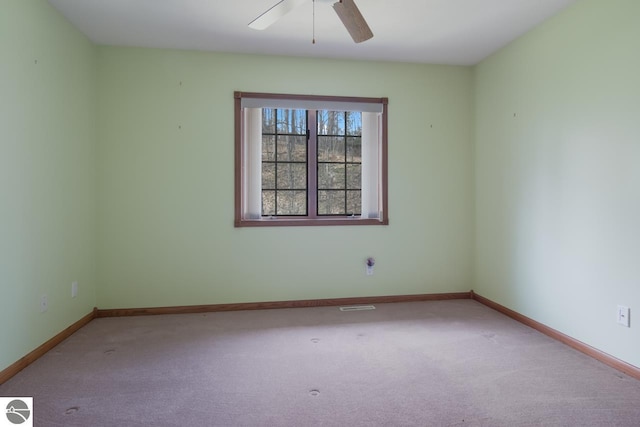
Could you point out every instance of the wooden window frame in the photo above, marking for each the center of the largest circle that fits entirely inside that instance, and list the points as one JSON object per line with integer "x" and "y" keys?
{"x": 312, "y": 219}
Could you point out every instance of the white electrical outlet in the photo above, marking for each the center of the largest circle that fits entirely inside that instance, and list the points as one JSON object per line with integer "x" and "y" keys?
{"x": 623, "y": 316}
{"x": 74, "y": 289}
{"x": 44, "y": 303}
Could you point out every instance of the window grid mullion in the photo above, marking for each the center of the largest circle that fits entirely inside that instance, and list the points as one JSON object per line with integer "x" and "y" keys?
{"x": 312, "y": 164}
{"x": 275, "y": 158}
{"x": 346, "y": 211}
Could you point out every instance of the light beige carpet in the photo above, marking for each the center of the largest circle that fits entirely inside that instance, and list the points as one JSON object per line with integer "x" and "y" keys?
{"x": 445, "y": 363}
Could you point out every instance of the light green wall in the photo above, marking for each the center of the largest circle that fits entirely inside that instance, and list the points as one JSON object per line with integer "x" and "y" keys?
{"x": 47, "y": 175}
{"x": 558, "y": 184}
{"x": 166, "y": 169}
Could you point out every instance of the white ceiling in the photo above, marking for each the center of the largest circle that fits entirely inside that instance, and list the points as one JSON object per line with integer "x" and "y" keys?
{"x": 461, "y": 32}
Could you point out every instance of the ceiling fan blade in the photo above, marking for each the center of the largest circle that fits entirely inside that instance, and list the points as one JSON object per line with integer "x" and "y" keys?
{"x": 353, "y": 21}
{"x": 276, "y": 12}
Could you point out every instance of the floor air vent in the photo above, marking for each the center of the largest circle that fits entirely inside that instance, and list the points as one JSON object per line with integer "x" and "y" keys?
{"x": 358, "y": 308}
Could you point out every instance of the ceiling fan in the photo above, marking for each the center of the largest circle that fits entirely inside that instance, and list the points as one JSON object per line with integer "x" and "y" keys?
{"x": 347, "y": 11}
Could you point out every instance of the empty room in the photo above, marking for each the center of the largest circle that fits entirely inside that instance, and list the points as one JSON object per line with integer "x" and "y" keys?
{"x": 319, "y": 212}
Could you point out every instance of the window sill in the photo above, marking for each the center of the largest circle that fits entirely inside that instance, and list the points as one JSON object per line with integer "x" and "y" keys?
{"x": 308, "y": 222}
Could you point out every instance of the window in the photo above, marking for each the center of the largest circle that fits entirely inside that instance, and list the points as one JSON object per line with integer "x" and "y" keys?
{"x": 310, "y": 160}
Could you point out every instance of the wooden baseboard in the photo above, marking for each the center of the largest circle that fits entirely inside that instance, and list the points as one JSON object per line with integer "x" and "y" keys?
{"x": 599, "y": 355}
{"x": 18, "y": 366}
{"x": 119, "y": 312}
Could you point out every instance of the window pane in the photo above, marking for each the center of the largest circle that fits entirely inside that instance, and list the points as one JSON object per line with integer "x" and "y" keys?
{"x": 354, "y": 123}
{"x": 330, "y": 149}
{"x": 331, "y": 202}
{"x": 268, "y": 147}
{"x": 292, "y": 121}
{"x": 354, "y": 177}
{"x": 268, "y": 203}
{"x": 292, "y": 176}
{"x": 331, "y": 176}
{"x": 269, "y": 120}
{"x": 268, "y": 176}
{"x": 354, "y": 203}
{"x": 292, "y": 202}
{"x": 331, "y": 122}
{"x": 354, "y": 149}
{"x": 292, "y": 148}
